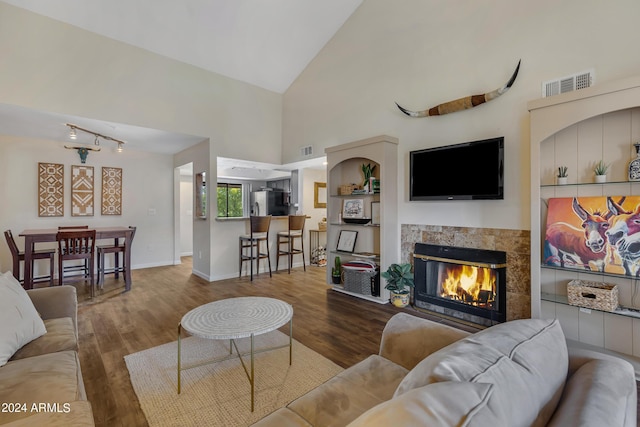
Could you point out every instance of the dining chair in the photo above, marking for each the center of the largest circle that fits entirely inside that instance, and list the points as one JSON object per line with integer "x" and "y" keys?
{"x": 258, "y": 234}
{"x": 295, "y": 231}
{"x": 77, "y": 245}
{"x": 18, "y": 256}
{"x": 84, "y": 267}
{"x": 118, "y": 247}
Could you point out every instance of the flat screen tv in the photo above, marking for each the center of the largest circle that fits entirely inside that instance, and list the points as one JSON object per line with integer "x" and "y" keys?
{"x": 469, "y": 171}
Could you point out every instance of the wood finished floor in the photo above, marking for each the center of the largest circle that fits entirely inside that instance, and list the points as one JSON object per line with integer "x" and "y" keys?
{"x": 340, "y": 327}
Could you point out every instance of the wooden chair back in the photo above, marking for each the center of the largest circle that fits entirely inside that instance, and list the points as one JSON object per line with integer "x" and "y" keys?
{"x": 76, "y": 244}
{"x": 15, "y": 252}
{"x": 260, "y": 224}
{"x": 296, "y": 222}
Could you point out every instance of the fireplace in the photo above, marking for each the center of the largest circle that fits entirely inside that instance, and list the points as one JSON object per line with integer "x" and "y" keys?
{"x": 468, "y": 284}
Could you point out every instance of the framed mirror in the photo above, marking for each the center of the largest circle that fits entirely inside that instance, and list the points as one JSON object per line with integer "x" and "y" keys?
{"x": 201, "y": 195}
{"x": 319, "y": 194}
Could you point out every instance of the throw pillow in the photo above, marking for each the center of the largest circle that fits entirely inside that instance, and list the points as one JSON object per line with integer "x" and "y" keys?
{"x": 441, "y": 404}
{"x": 525, "y": 359}
{"x": 20, "y": 323}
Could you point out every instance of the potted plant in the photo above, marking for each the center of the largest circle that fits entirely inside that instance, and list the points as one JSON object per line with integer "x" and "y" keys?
{"x": 367, "y": 170}
{"x": 601, "y": 171}
{"x": 562, "y": 175}
{"x": 399, "y": 281}
{"x": 336, "y": 271}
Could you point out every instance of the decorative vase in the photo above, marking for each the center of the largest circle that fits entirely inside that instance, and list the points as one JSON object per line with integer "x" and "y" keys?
{"x": 399, "y": 299}
{"x": 563, "y": 180}
{"x": 634, "y": 165}
{"x": 601, "y": 178}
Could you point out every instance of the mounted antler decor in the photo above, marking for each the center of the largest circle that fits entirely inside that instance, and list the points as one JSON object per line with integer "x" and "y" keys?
{"x": 462, "y": 103}
{"x": 83, "y": 150}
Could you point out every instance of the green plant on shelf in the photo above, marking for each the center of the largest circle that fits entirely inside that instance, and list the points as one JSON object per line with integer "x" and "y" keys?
{"x": 601, "y": 168}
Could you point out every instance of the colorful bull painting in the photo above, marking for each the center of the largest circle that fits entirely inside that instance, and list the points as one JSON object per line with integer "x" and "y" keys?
{"x": 594, "y": 233}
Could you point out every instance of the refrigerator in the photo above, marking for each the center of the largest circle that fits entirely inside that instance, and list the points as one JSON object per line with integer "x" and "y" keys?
{"x": 276, "y": 202}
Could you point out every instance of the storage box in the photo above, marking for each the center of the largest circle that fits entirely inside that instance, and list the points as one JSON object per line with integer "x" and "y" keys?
{"x": 595, "y": 295}
{"x": 347, "y": 189}
{"x": 365, "y": 282}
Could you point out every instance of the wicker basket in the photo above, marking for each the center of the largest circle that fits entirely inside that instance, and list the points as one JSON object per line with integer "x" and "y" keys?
{"x": 361, "y": 282}
{"x": 595, "y": 295}
{"x": 345, "y": 190}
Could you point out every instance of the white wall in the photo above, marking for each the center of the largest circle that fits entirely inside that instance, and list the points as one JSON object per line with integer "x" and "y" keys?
{"x": 422, "y": 53}
{"x": 55, "y": 67}
{"x": 146, "y": 184}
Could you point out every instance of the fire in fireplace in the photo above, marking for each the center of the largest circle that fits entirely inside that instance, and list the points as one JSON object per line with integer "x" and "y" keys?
{"x": 469, "y": 284}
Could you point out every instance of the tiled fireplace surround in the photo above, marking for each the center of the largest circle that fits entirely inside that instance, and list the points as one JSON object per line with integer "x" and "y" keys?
{"x": 516, "y": 243}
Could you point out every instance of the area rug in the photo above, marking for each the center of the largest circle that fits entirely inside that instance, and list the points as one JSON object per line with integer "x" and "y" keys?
{"x": 219, "y": 394}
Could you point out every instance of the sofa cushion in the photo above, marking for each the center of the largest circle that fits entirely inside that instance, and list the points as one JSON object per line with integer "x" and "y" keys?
{"x": 347, "y": 395}
{"x": 20, "y": 323}
{"x": 60, "y": 336}
{"x": 49, "y": 378}
{"x": 450, "y": 403}
{"x": 598, "y": 394}
{"x": 525, "y": 359}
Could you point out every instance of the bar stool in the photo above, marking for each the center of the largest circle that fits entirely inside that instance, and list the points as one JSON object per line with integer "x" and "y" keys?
{"x": 74, "y": 245}
{"x": 296, "y": 231}
{"x": 18, "y": 256}
{"x": 259, "y": 232}
{"x": 115, "y": 249}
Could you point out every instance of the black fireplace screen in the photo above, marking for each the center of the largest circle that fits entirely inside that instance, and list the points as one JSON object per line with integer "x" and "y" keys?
{"x": 462, "y": 280}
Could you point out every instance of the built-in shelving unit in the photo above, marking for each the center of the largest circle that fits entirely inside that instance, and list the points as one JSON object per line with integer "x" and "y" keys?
{"x": 576, "y": 130}
{"x": 383, "y": 239}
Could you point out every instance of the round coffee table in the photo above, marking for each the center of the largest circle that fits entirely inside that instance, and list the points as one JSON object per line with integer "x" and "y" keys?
{"x": 233, "y": 318}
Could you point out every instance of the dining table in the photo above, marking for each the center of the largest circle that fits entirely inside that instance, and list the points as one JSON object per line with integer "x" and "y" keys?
{"x": 42, "y": 235}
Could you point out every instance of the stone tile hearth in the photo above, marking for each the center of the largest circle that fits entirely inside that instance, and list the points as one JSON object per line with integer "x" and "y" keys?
{"x": 515, "y": 243}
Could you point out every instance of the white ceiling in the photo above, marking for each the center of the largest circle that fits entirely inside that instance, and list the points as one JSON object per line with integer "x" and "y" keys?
{"x": 264, "y": 43}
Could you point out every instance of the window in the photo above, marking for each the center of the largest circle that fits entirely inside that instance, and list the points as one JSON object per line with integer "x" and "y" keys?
{"x": 229, "y": 200}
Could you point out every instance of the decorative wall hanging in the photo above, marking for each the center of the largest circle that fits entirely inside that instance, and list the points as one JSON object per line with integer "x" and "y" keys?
{"x": 50, "y": 189}
{"x": 83, "y": 151}
{"x": 81, "y": 190}
{"x": 111, "y": 191}
{"x": 594, "y": 233}
{"x": 462, "y": 103}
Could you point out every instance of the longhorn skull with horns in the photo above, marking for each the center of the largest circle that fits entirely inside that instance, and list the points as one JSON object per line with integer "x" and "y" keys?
{"x": 462, "y": 103}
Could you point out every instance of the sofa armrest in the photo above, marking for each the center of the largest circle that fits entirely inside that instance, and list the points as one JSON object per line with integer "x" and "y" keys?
{"x": 406, "y": 339}
{"x": 56, "y": 302}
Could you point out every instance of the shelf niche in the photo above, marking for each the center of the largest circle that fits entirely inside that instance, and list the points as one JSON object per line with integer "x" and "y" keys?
{"x": 577, "y": 129}
{"x": 344, "y": 166}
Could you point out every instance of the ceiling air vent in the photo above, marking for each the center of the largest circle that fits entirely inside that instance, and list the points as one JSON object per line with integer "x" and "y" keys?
{"x": 306, "y": 151}
{"x": 568, "y": 84}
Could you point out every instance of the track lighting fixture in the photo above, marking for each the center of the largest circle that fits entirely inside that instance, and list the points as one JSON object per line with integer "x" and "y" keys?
{"x": 73, "y": 135}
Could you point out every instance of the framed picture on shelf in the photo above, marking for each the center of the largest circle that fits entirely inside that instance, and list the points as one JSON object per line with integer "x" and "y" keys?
{"x": 375, "y": 213}
{"x": 353, "y": 208}
{"x": 347, "y": 240}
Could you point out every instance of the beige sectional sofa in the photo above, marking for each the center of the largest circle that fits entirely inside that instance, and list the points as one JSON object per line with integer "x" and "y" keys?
{"x": 518, "y": 373}
{"x": 41, "y": 383}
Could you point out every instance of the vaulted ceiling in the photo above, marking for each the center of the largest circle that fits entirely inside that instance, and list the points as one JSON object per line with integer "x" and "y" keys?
{"x": 267, "y": 43}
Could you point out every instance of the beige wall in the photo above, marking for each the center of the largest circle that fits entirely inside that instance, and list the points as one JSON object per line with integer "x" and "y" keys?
{"x": 55, "y": 67}
{"x": 422, "y": 53}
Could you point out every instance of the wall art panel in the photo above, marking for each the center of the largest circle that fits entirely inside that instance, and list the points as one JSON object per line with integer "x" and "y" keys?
{"x": 81, "y": 190}
{"x": 50, "y": 189}
{"x": 111, "y": 191}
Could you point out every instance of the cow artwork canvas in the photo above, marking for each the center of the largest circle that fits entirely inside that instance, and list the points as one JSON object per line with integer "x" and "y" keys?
{"x": 594, "y": 233}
